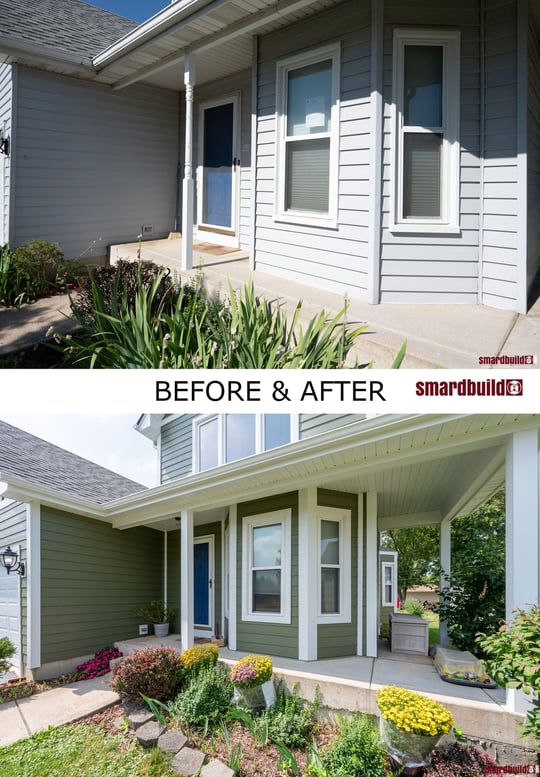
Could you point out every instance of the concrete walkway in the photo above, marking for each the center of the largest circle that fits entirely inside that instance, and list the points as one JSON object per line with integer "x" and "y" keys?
{"x": 24, "y": 717}
{"x": 447, "y": 336}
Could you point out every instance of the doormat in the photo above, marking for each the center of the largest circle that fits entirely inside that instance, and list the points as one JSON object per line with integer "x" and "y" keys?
{"x": 211, "y": 248}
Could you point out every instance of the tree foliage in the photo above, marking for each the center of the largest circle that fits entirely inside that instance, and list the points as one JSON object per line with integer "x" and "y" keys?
{"x": 474, "y": 602}
{"x": 418, "y": 551}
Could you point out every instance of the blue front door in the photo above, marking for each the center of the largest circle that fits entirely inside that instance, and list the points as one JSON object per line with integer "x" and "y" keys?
{"x": 202, "y": 583}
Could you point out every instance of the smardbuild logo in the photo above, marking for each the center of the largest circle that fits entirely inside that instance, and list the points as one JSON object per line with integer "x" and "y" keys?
{"x": 508, "y": 387}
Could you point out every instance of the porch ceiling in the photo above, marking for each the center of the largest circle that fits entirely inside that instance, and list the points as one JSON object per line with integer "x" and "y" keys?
{"x": 219, "y": 33}
{"x": 424, "y": 468}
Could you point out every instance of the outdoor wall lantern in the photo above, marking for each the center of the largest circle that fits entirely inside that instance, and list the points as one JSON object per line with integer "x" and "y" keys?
{"x": 10, "y": 560}
{"x": 4, "y": 145}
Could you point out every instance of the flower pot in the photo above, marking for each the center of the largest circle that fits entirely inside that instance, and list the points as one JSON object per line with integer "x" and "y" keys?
{"x": 258, "y": 698}
{"x": 412, "y": 751}
{"x": 161, "y": 629}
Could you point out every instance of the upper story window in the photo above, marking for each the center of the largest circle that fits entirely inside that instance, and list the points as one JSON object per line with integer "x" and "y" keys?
{"x": 308, "y": 137}
{"x": 219, "y": 439}
{"x": 426, "y": 96}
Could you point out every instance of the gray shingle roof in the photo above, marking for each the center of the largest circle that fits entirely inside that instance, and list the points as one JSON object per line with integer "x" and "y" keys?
{"x": 39, "y": 462}
{"x": 69, "y": 25}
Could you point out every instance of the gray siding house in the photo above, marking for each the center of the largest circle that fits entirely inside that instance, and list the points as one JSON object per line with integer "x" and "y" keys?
{"x": 264, "y": 528}
{"x": 387, "y": 149}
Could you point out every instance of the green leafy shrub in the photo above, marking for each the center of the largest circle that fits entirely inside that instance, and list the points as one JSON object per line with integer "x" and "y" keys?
{"x": 291, "y": 720}
{"x": 35, "y": 269}
{"x": 513, "y": 660}
{"x": 7, "y": 650}
{"x": 200, "y": 657}
{"x": 156, "y": 672}
{"x": 205, "y": 699}
{"x": 357, "y": 750}
{"x": 412, "y": 607}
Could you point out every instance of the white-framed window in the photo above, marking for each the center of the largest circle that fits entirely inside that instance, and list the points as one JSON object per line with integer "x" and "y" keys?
{"x": 266, "y": 567}
{"x": 334, "y": 543}
{"x": 219, "y": 439}
{"x": 426, "y": 137}
{"x": 307, "y": 147}
{"x": 388, "y": 584}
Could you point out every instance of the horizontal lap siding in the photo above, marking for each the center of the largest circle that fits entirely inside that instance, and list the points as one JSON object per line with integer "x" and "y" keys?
{"x": 239, "y": 85}
{"x": 533, "y": 172}
{"x": 334, "y": 259}
{"x": 93, "y": 578}
{"x": 6, "y": 102}
{"x": 93, "y": 165}
{"x": 500, "y": 186}
{"x": 310, "y": 424}
{"x": 176, "y": 448}
{"x": 13, "y": 532}
{"x": 435, "y": 268}
{"x": 173, "y": 573}
{"x": 273, "y": 638}
{"x": 340, "y": 639}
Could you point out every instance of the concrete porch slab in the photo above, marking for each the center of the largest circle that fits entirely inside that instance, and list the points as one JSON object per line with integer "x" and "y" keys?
{"x": 449, "y": 336}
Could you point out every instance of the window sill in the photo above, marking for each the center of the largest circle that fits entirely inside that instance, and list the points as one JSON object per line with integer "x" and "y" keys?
{"x": 425, "y": 228}
{"x": 266, "y": 618}
{"x": 323, "y": 222}
{"x": 334, "y": 619}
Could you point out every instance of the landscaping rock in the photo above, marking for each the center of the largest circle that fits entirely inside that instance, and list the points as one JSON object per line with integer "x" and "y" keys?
{"x": 172, "y": 741}
{"x": 119, "y": 721}
{"x": 139, "y": 718}
{"x": 187, "y": 762}
{"x": 216, "y": 769}
{"x": 149, "y": 734}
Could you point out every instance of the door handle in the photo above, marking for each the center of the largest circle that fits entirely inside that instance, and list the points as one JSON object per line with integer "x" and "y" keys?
{"x": 234, "y": 163}
{"x": 210, "y": 583}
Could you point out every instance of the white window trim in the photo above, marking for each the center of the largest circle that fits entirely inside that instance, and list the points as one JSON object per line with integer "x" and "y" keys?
{"x": 248, "y": 524}
{"x": 384, "y": 602}
{"x": 313, "y": 218}
{"x": 448, "y": 223}
{"x": 343, "y": 517}
{"x": 221, "y": 443}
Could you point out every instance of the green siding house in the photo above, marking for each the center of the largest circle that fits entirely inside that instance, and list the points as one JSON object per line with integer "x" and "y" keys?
{"x": 264, "y": 529}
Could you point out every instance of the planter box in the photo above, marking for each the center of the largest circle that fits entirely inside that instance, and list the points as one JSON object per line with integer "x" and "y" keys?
{"x": 409, "y": 634}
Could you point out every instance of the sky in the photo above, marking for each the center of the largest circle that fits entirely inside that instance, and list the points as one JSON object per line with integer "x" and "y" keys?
{"x": 109, "y": 440}
{"x": 138, "y": 10}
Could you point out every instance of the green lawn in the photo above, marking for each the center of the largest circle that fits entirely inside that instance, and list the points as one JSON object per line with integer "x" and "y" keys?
{"x": 84, "y": 751}
{"x": 433, "y": 620}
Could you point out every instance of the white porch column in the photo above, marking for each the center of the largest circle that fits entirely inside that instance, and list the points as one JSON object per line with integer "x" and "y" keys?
{"x": 188, "y": 186}
{"x": 186, "y": 578}
{"x": 307, "y": 574}
{"x": 232, "y": 577}
{"x": 522, "y": 532}
{"x": 360, "y": 583}
{"x": 372, "y": 561}
{"x": 33, "y": 585}
{"x": 445, "y": 561}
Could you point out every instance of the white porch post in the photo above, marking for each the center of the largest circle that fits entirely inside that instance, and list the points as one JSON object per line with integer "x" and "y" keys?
{"x": 522, "y": 532}
{"x": 372, "y": 560}
{"x": 360, "y": 583}
{"x": 232, "y": 577}
{"x": 307, "y": 574}
{"x": 188, "y": 184}
{"x": 186, "y": 578}
{"x": 33, "y": 585}
{"x": 445, "y": 561}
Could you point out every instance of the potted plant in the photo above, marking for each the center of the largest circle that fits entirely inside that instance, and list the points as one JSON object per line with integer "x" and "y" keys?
{"x": 253, "y": 684}
{"x": 411, "y": 725}
{"x": 159, "y": 614}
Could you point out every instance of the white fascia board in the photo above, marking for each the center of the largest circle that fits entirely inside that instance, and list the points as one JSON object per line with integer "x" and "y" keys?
{"x": 21, "y": 490}
{"x": 35, "y": 53}
{"x": 159, "y": 23}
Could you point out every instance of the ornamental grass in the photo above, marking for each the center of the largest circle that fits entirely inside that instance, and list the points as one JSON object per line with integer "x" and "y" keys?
{"x": 251, "y": 671}
{"x": 414, "y": 713}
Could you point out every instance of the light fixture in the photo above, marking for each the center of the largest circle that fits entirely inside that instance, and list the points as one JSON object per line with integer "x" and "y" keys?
{"x": 4, "y": 145}
{"x": 10, "y": 560}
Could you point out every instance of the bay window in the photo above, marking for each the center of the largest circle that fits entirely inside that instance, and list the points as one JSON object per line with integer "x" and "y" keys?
{"x": 308, "y": 135}
{"x": 426, "y": 97}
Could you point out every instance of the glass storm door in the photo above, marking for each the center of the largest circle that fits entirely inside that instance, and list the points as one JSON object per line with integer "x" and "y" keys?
{"x": 218, "y": 172}
{"x": 203, "y": 583}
